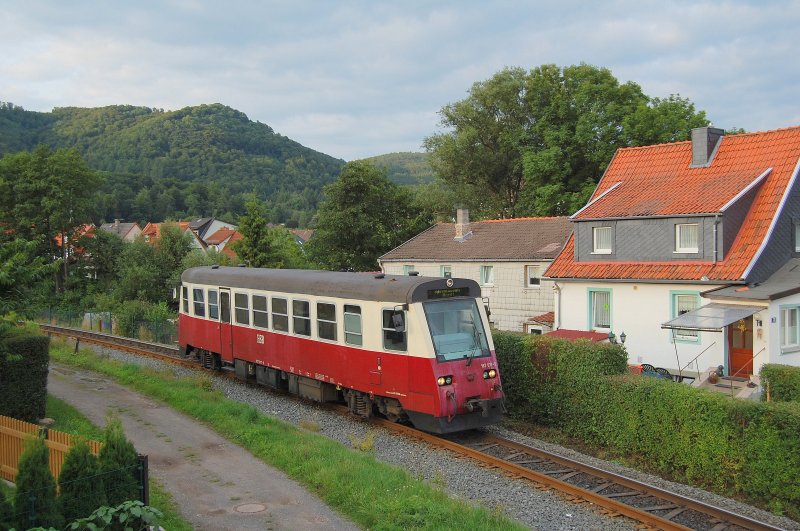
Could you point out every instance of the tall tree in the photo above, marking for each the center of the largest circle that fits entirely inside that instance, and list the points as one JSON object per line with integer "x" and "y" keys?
{"x": 536, "y": 143}
{"x": 265, "y": 246}
{"x": 363, "y": 216}
{"x": 20, "y": 270}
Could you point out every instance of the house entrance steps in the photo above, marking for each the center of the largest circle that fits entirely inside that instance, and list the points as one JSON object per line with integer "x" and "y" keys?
{"x": 732, "y": 386}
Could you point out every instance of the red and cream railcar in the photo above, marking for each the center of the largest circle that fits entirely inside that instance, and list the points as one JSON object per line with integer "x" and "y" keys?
{"x": 408, "y": 347}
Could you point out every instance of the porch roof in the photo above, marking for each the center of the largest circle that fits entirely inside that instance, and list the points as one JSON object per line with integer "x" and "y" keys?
{"x": 711, "y": 317}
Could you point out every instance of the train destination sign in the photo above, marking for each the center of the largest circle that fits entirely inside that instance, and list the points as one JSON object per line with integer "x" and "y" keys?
{"x": 446, "y": 293}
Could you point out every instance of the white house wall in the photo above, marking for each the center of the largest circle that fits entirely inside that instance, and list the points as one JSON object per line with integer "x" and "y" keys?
{"x": 638, "y": 310}
{"x": 772, "y": 326}
{"x": 510, "y": 301}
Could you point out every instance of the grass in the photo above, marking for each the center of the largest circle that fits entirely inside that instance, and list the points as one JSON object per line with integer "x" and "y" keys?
{"x": 70, "y": 420}
{"x": 349, "y": 481}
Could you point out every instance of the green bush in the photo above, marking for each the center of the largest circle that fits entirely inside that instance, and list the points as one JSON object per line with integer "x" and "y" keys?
{"x": 783, "y": 382}
{"x": 119, "y": 465}
{"x": 128, "y": 516}
{"x": 24, "y": 363}
{"x": 80, "y": 483}
{"x": 541, "y": 374}
{"x": 6, "y": 514}
{"x": 35, "y": 497}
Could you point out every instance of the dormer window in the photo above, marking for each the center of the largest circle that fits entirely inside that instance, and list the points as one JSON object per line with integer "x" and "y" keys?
{"x": 601, "y": 238}
{"x": 797, "y": 236}
{"x": 686, "y": 238}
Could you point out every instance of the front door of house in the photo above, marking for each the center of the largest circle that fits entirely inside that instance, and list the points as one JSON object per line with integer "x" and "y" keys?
{"x": 740, "y": 348}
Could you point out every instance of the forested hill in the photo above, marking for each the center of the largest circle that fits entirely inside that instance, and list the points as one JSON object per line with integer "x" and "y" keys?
{"x": 406, "y": 167}
{"x": 197, "y": 161}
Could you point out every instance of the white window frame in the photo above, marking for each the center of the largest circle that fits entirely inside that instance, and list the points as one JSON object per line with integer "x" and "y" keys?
{"x": 691, "y": 336}
{"x": 787, "y": 314}
{"x": 198, "y": 303}
{"x": 446, "y": 271}
{"x": 797, "y": 236}
{"x": 407, "y": 268}
{"x": 487, "y": 275}
{"x": 592, "y": 302}
{"x": 537, "y": 276}
{"x": 298, "y": 318}
{"x": 596, "y": 249}
{"x": 261, "y": 314}
{"x": 241, "y": 310}
{"x": 321, "y": 322}
{"x": 355, "y": 318}
{"x": 678, "y": 230}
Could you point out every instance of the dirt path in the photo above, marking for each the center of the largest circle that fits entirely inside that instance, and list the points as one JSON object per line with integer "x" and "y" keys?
{"x": 216, "y": 484}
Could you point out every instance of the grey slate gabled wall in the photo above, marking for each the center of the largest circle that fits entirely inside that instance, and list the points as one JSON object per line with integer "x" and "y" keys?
{"x": 780, "y": 246}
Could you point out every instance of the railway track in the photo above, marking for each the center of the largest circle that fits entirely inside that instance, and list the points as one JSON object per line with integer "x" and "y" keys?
{"x": 650, "y": 505}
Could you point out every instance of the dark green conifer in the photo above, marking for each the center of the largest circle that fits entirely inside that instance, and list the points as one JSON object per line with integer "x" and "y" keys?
{"x": 80, "y": 483}
{"x": 35, "y": 497}
{"x": 118, "y": 464}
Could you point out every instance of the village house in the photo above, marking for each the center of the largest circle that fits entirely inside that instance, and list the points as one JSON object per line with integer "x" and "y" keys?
{"x": 506, "y": 257}
{"x": 152, "y": 232}
{"x": 690, "y": 249}
{"x": 127, "y": 231}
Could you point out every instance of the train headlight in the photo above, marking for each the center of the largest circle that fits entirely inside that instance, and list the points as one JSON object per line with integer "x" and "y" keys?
{"x": 489, "y": 373}
{"x": 444, "y": 380}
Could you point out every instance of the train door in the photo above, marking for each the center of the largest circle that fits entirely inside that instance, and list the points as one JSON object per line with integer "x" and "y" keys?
{"x": 225, "y": 326}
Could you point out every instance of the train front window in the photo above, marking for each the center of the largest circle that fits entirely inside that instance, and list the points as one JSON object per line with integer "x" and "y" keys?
{"x": 457, "y": 329}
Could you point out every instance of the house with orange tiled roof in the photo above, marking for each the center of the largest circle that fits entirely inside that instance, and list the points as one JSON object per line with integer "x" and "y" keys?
{"x": 506, "y": 257}
{"x": 670, "y": 241}
{"x": 152, "y": 232}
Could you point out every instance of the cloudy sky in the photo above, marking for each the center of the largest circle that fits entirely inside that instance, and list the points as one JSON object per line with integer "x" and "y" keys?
{"x": 360, "y": 78}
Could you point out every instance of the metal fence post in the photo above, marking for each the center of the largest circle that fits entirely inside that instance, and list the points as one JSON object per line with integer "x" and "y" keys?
{"x": 144, "y": 479}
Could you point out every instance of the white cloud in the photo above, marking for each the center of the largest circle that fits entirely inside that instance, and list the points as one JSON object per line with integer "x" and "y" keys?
{"x": 358, "y": 78}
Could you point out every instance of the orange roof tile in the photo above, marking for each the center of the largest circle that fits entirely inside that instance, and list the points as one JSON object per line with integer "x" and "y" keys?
{"x": 220, "y": 236}
{"x": 657, "y": 180}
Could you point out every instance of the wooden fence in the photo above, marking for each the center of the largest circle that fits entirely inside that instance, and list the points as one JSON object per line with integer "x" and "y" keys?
{"x": 13, "y": 434}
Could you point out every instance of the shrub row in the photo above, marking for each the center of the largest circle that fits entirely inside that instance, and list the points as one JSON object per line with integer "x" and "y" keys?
{"x": 782, "y": 381}
{"x": 23, "y": 376}
{"x": 706, "y": 439}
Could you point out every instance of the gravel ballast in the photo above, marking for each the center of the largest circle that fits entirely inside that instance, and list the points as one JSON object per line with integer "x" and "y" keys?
{"x": 518, "y": 499}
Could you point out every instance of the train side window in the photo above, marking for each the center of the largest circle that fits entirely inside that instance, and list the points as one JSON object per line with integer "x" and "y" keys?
{"x": 280, "y": 314}
{"x": 199, "y": 302}
{"x": 213, "y": 304}
{"x": 393, "y": 337}
{"x": 185, "y": 297}
{"x": 301, "y": 318}
{"x": 260, "y": 315}
{"x": 352, "y": 325}
{"x": 242, "y": 306}
{"x": 326, "y": 321}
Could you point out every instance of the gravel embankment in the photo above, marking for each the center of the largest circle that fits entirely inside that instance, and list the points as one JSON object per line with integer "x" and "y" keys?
{"x": 462, "y": 478}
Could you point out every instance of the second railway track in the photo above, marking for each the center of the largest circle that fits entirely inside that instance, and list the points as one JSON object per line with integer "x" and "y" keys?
{"x": 651, "y": 505}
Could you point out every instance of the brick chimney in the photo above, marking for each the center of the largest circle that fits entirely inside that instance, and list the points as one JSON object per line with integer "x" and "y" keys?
{"x": 704, "y": 144}
{"x": 462, "y": 225}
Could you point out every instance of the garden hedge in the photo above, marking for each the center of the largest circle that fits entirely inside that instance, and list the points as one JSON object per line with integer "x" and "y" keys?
{"x": 23, "y": 376}
{"x": 783, "y": 382}
{"x": 706, "y": 439}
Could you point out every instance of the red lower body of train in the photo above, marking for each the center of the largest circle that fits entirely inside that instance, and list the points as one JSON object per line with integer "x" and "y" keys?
{"x": 399, "y": 386}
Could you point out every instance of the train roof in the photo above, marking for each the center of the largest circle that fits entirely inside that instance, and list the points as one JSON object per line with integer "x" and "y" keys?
{"x": 356, "y": 286}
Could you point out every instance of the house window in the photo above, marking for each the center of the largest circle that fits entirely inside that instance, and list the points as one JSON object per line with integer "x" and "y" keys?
{"x": 535, "y": 330}
{"x": 213, "y": 304}
{"x": 797, "y": 236}
{"x": 326, "y": 321}
{"x": 790, "y": 328}
{"x": 185, "y": 297}
{"x": 487, "y": 275}
{"x": 301, "y": 317}
{"x": 352, "y": 325}
{"x": 242, "y": 306}
{"x": 260, "y": 315}
{"x": 280, "y": 314}
{"x": 686, "y": 238}
{"x": 684, "y": 303}
{"x": 407, "y": 269}
{"x": 446, "y": 271}
{"x": 600, "y": 309}
{"x": 392, "y": 338}
{"x": 199, "y": 303}
{"x": 533, "y": 278}
{"x": 601, "y": 240}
